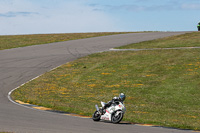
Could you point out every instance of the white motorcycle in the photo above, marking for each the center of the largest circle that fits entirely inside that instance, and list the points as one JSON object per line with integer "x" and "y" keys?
{"x": 114, "y": 113}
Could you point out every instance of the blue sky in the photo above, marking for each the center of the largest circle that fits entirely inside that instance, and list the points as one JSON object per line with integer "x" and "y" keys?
{"x": 70, "y": 16}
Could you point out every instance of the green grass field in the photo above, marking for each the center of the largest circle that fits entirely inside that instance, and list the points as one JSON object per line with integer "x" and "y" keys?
{"x": 162, "y": 86}
{"x": 14, "y": 41}
{"x": 186, "y": 40}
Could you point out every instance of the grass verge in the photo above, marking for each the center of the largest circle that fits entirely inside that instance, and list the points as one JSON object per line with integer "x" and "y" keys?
{"x": 14, "y": 41}
{"x": 186, "y": 40}
{"x": 162, "y": 86}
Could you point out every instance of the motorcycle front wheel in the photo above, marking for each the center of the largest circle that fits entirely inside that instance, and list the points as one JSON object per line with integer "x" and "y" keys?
{"x": 96, "y": 116}
{"x": 117, "y": 117}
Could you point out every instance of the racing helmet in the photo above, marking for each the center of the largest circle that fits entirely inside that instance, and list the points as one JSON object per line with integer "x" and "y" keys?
{"x": 122, "y": 96}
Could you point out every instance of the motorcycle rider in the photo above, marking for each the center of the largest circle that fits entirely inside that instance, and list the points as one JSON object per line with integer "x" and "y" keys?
{"x": 115, "y": 100}
{"x": 198, "y": 26}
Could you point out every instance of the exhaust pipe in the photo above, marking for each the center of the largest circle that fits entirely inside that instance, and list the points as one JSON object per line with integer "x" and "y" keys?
{"x": 96, "y": 106}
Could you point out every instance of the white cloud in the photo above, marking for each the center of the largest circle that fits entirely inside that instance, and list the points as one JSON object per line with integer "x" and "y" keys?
{"x": 190, "y": 6}
{"x": 15, "y": 14}
{"x": 149, "y": 5}
{"x": 16, "y": 6}
{"x": 27, "y": 17}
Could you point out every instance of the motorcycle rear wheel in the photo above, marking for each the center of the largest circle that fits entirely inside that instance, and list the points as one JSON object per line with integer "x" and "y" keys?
{"x": 117, "y": 118}
{"x": 96, "y": 116}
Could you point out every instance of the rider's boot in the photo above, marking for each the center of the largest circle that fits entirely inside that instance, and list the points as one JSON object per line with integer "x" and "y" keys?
{"x": 102, "y": 110}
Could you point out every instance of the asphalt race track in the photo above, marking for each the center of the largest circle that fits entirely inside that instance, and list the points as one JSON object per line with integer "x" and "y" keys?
{"x": 20, "y": 65}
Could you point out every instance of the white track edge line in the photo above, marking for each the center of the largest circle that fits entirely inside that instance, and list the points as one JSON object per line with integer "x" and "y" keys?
{"x": 10, "y": 92}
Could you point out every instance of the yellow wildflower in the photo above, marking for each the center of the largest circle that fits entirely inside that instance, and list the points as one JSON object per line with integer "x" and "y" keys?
{"x": 92, "y": 85}
{"x": 69, "y": 65}
{"x": 111, "y": 86}
{"x": 139, "y": 112}
{"x": 105, "y": 73}
{"x": 190, "y": 70}
{"x": 137, "y": 85}
{"x": 113, "y": 91}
